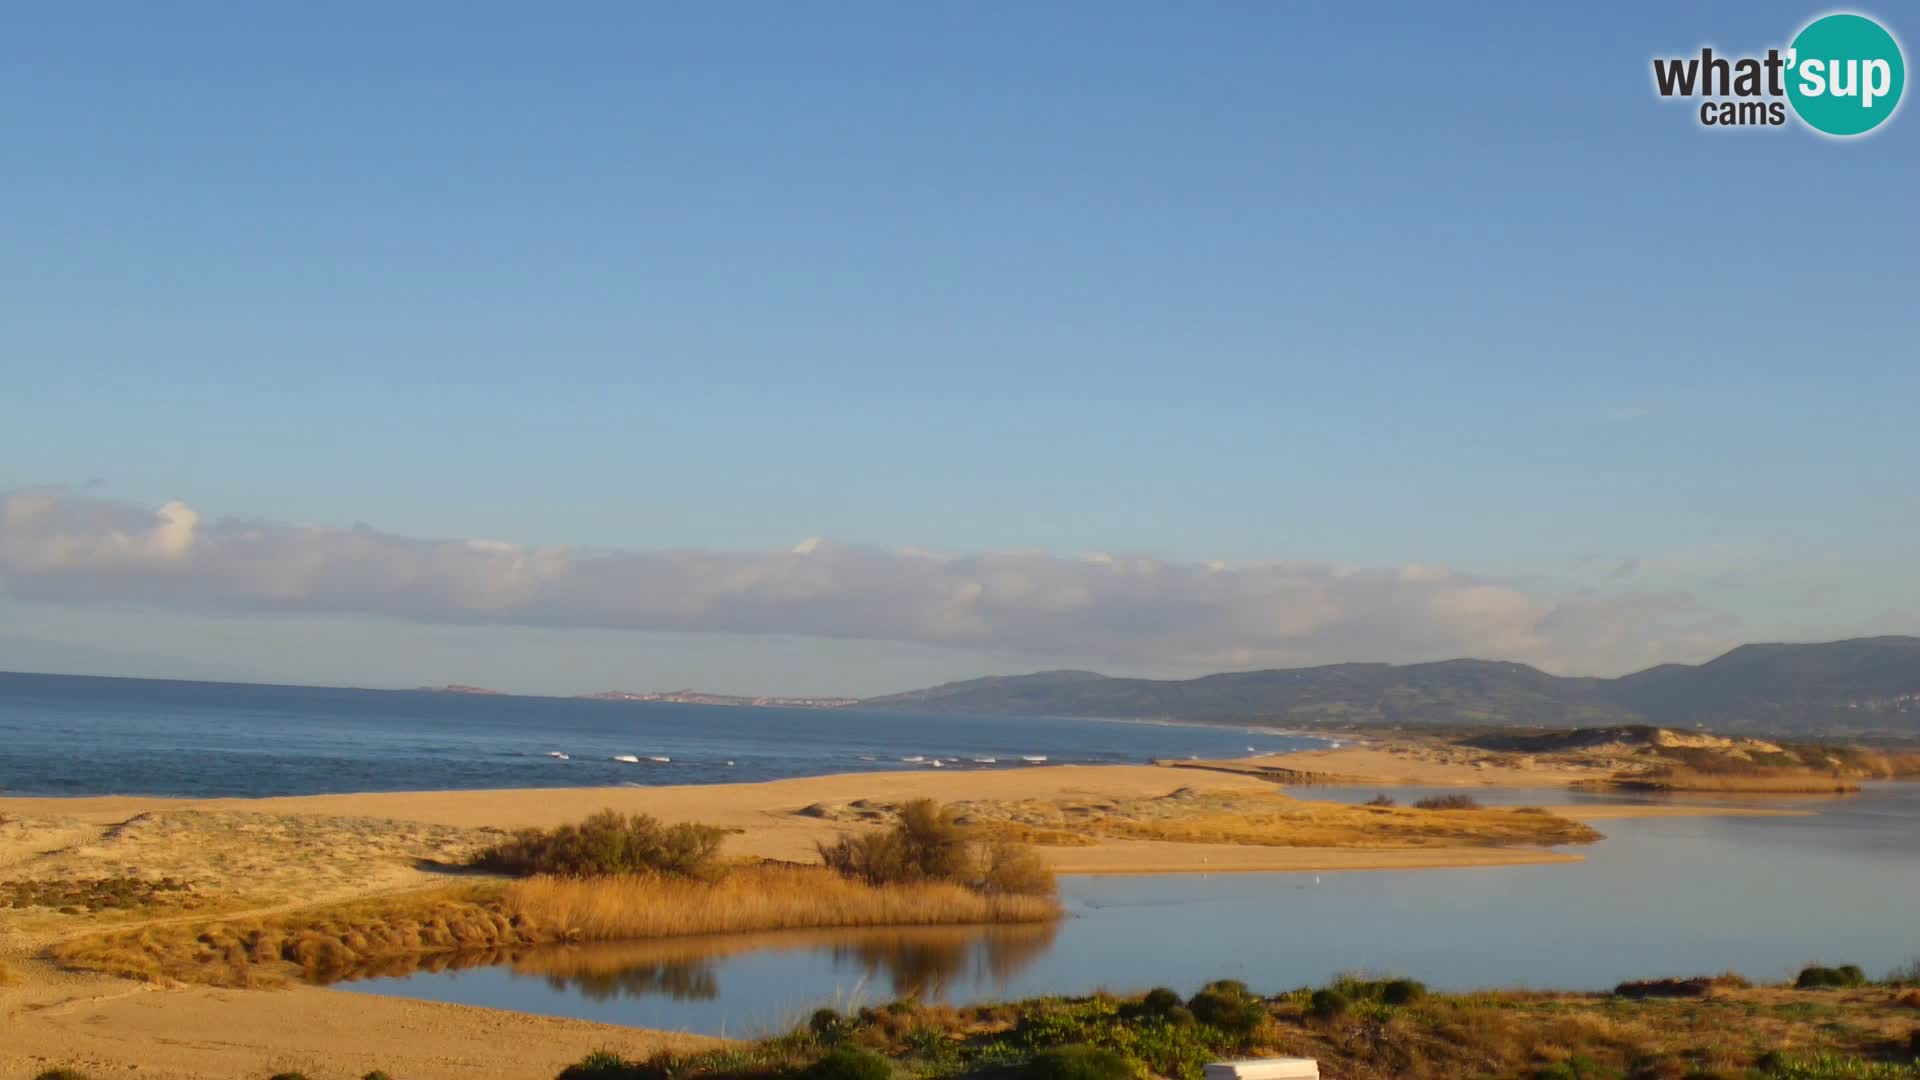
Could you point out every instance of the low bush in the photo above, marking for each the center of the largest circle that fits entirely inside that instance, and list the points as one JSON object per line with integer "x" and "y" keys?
{"x": 1159, "y": 1003}
{"x": 1015, "y": 869}
{"x": 1402, "y": 991}
{"x": 1081, "y": 1062}
{"x": 1448, "y": 802}
{"x": 1697, "y": 986}
{"x": 927, "y": 843}
{"x": 63, "y": 1073}
{"x": 608, "y": 844}
{"x": 830, "y": 1027}
{"x": 1327, "y": 1004}
{"x": 1843, "y": 977}
{"x": 1228, "y": 1006}
{"x": 846, "y": 1063}
{"x": 1380, "y": 800}
{"x": 1391, "y": 991}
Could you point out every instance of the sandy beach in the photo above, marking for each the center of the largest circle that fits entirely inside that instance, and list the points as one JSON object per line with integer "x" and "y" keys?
{"x": 330, "y": 847}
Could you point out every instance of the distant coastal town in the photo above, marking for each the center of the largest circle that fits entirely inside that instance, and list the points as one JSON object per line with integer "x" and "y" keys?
{"x": 677, "y": 697}
{"x": 699, "y": 697}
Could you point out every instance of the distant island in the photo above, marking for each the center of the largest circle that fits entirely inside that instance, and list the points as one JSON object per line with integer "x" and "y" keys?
{"x": 701, "y": 697}
{"x": 460, "y": 688}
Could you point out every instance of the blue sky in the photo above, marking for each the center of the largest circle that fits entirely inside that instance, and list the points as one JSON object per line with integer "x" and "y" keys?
{"x": 1379, "y": 287}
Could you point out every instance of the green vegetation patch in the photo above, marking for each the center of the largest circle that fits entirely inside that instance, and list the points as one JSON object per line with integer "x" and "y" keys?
{"x": 610, "y": 843}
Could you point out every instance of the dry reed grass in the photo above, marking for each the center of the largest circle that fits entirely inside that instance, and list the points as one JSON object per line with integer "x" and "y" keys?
{"x": 756, "y": 898}
{"x": 335, "y": 941}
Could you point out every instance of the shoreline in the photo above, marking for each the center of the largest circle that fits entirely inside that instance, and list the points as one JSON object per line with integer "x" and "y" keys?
{"x": 767, "y": 814}
{"x": 106, "y": 1024}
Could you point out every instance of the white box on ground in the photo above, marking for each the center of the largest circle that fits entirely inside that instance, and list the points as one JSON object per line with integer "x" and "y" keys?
{"x": 1265, "y": 1069}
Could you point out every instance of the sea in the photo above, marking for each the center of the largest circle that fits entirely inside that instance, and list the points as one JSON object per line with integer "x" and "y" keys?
{"x": 75, "y": 735}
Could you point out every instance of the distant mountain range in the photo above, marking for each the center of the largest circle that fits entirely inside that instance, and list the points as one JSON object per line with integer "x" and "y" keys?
{"x": 1862, "y": 686}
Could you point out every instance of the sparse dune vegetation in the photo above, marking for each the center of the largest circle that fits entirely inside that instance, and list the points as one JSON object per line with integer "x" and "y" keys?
{"x": 1269, "y": 819}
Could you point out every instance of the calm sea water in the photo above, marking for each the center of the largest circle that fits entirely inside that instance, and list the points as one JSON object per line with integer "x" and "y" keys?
{"x": 1659, "y": 896}
{"x": 64, "y": 735}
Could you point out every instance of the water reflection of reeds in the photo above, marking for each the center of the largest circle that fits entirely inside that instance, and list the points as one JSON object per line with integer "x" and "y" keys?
{"x": 919, "y": 961}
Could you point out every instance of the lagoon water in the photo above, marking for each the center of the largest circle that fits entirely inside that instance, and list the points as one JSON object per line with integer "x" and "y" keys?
{"x": 69, "y": 735}
{"x": 1659, "y": 896}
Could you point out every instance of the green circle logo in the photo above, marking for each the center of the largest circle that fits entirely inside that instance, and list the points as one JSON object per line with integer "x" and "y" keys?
{"x": 1845, "y": 74}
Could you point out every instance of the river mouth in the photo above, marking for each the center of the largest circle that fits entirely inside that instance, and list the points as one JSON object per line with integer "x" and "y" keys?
{"x": 1660, "y": 896}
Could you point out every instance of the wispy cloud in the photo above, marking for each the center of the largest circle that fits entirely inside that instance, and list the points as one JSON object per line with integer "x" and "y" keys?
{"x": 59, "y": 546}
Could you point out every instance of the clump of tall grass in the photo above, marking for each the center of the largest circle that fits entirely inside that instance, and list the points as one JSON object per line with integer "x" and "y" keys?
{"x": 756, "y": 898}
{"x": 927, "y": 843}
{"x": 609, "y": 843}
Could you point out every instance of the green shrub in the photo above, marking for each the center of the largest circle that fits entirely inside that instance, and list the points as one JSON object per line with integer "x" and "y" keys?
{"x": 1327, "y": 1004}
{"x": 1081, "y": 1062}
{"x": 609, "y": 843}
{"x": 1402, "y": 991}
{"x": 1160, "y": 1001}
{"x": 1913, "y": 1045}
{"x": 1448, "y": 802}
{"x": 846, "y": 1063}
{"x": 1228, "y": 1006}
{"x": 829, "y": 1026}
{"x": 1842, "y": 977}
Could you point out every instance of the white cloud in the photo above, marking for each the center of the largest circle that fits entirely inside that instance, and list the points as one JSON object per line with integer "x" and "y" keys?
{"x": 61, "y": 547}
